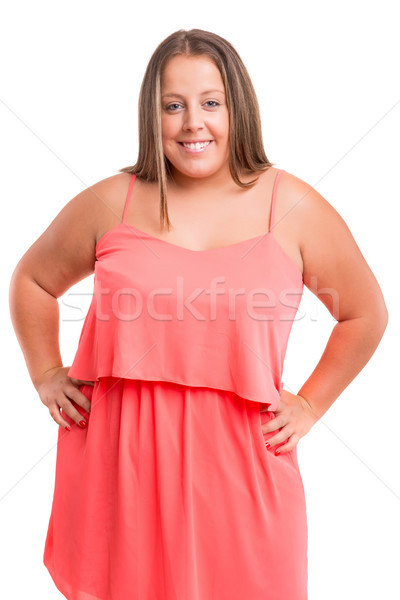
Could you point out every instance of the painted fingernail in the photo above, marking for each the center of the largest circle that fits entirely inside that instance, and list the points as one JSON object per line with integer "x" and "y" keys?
{"x": 67, "y": 428}
{"x": 277, "y": 452}
{"x": 82, "y": 423}
{"x": 268, "y": 445}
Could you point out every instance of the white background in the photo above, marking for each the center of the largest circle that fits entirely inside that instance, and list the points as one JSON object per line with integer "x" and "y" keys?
{"x": 326, "y": 77}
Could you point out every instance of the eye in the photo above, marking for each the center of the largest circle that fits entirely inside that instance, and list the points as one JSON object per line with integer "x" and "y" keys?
{"x": 170, "y": 106}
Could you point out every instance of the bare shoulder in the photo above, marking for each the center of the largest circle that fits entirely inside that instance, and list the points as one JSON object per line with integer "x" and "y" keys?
{"x": 109, "y": 196}
{"x": 309, "y": 207}
{"x": 100, "y": 206}
{"x": 65, "y": 252}
{"x": 331, "y": 257}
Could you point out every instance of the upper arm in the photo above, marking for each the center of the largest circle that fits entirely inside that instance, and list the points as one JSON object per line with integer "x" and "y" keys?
{"x": 334, "y": 268}
{"x": 65, "y": 252}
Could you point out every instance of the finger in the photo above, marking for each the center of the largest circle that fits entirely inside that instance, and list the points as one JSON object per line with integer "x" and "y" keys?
{"x": 54, "y": 411}
{"x": 78, "y": 382}
{"x": 273, "y": 424}
{"x": 290, "y": 445}
{"x": 74, "y": 393}
{"x": 283, "y": 436}
{"x": 73, "y": 413}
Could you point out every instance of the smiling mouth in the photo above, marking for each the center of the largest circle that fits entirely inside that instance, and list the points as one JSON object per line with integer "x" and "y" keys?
{"x": 195, "y": 147}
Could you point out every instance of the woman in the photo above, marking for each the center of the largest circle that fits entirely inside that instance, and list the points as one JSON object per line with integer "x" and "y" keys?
{"x": 177, "y": 473}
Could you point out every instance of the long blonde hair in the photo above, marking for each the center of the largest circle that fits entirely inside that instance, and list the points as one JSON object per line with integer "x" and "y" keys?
{"x": 246, "y": 151}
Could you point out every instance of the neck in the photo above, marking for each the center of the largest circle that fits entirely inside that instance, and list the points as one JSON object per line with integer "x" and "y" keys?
{"x": 216, "y": 182}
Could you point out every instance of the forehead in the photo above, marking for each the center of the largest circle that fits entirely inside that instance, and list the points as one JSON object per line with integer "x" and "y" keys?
{"x": 191, "y": 74}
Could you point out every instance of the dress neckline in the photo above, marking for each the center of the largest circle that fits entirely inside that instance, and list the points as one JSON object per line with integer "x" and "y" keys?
{"x": 220, "y": 249}
{"x": 158, "y": 239}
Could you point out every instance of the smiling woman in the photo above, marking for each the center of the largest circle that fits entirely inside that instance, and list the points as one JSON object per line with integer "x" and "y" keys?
{"x": 196, "y": 89}
{"x": 177, "y": 473}
{"x": 195, "y": 147}
{"x": 195, "y": 123}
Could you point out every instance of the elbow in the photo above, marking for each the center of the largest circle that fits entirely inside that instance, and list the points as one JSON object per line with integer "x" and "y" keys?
{"x": 376, "y": 320}
{"x": 384, "y": 314}
{"x": 13, "y": 281}
{"x": 380, "y": 319}
{"x": 380, "y": 314}
{"x": 385, "y": 318}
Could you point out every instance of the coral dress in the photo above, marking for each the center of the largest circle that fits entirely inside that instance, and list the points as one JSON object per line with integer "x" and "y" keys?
{"x": 170, "y": 492}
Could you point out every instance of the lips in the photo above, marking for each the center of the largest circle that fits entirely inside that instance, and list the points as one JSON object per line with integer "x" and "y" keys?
{"x": 194, "y": 150}
{"x": 196, "y": 142}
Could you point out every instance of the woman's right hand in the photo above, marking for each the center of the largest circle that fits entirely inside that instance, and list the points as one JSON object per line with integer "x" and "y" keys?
{"x": 57, "y": 390}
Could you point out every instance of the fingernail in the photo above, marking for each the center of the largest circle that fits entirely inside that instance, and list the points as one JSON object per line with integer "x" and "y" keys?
{"x": 277, "y": 452}
{"x": 268, "y": 445}
{"x": 82, "y": 423}
{"x": 67, "y": 428}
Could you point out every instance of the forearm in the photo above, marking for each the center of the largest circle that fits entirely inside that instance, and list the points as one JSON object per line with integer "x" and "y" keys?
{"x": 349, "y": 348}
{"x": 35, "y": 318}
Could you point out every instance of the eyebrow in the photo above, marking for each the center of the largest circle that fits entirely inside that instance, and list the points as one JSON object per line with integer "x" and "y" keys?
{"x": 180, "y": 95}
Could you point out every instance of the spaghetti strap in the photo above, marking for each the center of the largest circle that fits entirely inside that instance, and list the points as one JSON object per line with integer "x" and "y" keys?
{"x": 273, "y": 200}
{"x": 154, "y": 365}
{"x": 128, "y": 197}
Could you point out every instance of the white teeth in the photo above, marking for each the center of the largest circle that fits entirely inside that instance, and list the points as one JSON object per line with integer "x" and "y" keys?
{"x": 197, "y": 146}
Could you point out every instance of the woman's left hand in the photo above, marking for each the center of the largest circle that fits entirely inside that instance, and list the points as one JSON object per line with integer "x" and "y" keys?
{"x": 294, "y": 419}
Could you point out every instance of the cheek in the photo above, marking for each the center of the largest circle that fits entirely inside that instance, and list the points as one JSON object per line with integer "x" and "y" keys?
{"x": 222, "y": 132}
{"x": 169, "y": 129}
{"x": 224, "y": 124}
{"x": 169, "y": 145}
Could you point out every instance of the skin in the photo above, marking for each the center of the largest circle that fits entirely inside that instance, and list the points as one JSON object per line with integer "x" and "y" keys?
{"x": 202, "y": 200}
{"x": 188, "y": 114}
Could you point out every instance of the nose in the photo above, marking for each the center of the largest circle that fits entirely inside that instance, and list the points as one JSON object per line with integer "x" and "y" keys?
{"x": 193, "y": 119}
